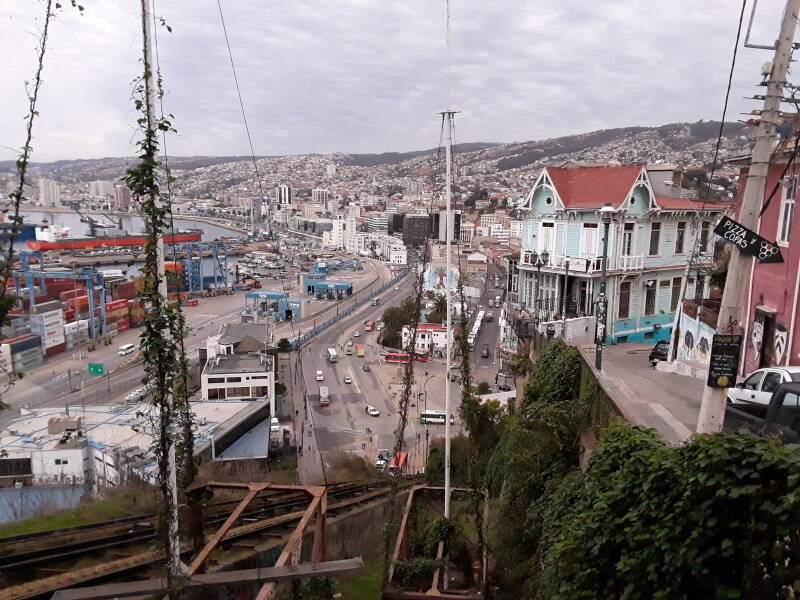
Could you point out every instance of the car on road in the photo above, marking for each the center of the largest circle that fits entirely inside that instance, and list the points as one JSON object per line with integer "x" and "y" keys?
{"x": 485, "y": 351}
{"x": 348, "y": 379}
{"x": 381, "y": 326}
{"x": 320, "y": 376}
{"x": 349, "y": 343}
{"x": 372, "y": 411}
{"x": 659, "y": 352}
{"x": 356, "y": 334}
{"x": 759, "y": 386}
{"x": 381, "y": 464}
{"x": 365, "y": 367}
{"x": 274, "y": 425}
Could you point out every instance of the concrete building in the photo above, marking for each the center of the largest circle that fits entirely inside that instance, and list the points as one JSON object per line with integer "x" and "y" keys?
{"x": 416, "y": 229}
{"x": 467, "y": 232}
{"x": 101, "y": 188}
{"x": 122, "y": 197}
{"x": 398, "y": 254}
{"x": 439, "y": 226}
{"x": 515, "y": 229}
{"x": 49, "y": 193}
{"x": 230, "y": 373}
{"x": 496, "y": 230}
{"x": 320, "y": 196}
{"x": 377, "y": 222}
{"x": 335, "y": 239}
{"x": 283, "y": 196}
{"x": 330, "y": 169}
{"x": 431, "y": 338}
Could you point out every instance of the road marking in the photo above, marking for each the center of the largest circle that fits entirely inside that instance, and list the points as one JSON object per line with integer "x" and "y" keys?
{"x": 355, "y": 383}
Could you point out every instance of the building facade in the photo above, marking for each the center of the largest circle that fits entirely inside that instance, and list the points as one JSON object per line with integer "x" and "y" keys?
{"x": 283, "y": 196}
{"x": 651, "y": 239}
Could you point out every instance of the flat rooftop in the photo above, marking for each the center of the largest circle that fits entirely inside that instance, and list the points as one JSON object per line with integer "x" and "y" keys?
{"x": 231, "y": 364}
{"x": 108, "y": 426}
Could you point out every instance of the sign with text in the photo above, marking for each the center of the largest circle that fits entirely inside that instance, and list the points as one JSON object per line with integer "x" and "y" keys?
{"x": 748, "y": 241}
{"x": 724, "y": 361}
{"x": 97, "y": 369}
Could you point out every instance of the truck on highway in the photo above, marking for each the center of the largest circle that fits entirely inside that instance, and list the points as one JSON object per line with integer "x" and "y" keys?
{"x": 360, "y": 350}
{"x": 324, "y": 396}
{"x": 780, "y": 417}
{"x": 375, "y": 301}
{"x": 332, "y": 355}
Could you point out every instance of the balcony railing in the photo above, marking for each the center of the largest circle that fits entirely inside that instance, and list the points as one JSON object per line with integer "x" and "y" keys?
{"x": 587, "y": 264}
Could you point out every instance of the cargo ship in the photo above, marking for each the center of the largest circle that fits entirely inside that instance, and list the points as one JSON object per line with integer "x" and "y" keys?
{"x": 59, "y": 237}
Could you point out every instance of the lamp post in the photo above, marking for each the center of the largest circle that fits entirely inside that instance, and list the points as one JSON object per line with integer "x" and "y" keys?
{"x": 538, "y": 260}
{"x": 606, "y": 213}
{"x": 564, "y": 300}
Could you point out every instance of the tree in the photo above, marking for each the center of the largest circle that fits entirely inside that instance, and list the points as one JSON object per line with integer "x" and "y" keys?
{"x": 284, "y": 344}
{"x": 439, "y": 312}
{"x": 483, "y": 388}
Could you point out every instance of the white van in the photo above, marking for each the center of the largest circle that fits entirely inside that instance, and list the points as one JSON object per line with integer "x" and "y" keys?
{"x": 126, "y": 349}
{"x": 274, "y": 425}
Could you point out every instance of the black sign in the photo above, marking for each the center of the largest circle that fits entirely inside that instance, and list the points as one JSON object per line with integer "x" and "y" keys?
{"x": 748, "y": 241}
{"x": 724, "y": 361}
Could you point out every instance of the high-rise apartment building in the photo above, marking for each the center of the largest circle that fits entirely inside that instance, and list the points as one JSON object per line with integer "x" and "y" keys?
{"x": 330, "y": 170}
{"x": 122, "y": 197}
{"x": 416, "y": 229}
{"x": 49, "y": 193}
{"x": 378, "y": 222}
{"x": 320, "y": 195}
{"x": 100, "y": 188}
{"x": 439, "y": 227}
{"x": 283, "y": 196}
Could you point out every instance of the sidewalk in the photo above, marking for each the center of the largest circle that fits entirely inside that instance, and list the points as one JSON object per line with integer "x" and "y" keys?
{"x": 667, "y": 402}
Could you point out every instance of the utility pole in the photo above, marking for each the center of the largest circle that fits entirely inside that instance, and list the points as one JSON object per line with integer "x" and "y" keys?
{"x": 174, "y": 553}
{"x": 448, "y": 115}
{"x": 731, "y": 314}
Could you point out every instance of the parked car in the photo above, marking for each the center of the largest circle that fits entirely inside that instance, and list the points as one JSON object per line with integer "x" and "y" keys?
{"x": 274, "y": 426}
{"x": 780, "y": 416}
{"x": 320, "y": 376}
{"x": 372, "y": 411}
{"x": 365, "y": 367}
{"x": 126, "y": 349}
{"x": 348, "y": 379}
{"x": 659, "y": 352}
{"x": 759, "y": 386}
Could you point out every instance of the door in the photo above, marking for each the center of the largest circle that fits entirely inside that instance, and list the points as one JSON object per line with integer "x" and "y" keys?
{"x": 772, "y": 379}
{"x": 747, "y": 393}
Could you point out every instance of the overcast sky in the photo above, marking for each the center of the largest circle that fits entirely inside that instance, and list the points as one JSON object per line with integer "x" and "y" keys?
{"x": 369, "y": 75}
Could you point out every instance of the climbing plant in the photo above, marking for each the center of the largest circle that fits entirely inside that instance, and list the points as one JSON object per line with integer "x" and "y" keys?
{"x": 161, "y": 338}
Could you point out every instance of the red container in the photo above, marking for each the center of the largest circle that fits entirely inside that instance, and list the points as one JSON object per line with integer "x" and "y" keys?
{"x": 56, "y": 349}
{"x": 116, "y": 305}
{"x": 123, "y": 324}
{"x": 69, "y": 314}
{"x": 192, "y": 302}
{"x": 125, "y": 290}
{"x": 72, "y": 293}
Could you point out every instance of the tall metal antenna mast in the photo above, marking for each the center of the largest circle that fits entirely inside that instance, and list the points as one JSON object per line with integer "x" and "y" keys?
{"x": 448, "y": 191}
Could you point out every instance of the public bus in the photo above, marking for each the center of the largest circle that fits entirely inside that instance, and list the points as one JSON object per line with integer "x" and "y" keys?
{"x": 369, "y": 326}
{"x": 434, "y": 417}
{"x": 399, "y": 462}
{"x": 332, "y": 355}
{"x": 360, "y": 350}
{"x": 403, "y": 357}
{"x": 324, "y": 396}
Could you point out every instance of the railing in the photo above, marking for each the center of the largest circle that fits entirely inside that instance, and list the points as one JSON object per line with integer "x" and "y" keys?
{"x": 587, "y": 264}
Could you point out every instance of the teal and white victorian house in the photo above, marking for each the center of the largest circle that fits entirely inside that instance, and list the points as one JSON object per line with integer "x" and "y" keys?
{"x": 651, "y": 238}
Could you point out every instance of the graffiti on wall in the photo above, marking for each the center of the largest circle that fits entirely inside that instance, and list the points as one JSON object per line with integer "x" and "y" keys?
{"x": 694, "y": 343}
{"x": 780, "y": 342}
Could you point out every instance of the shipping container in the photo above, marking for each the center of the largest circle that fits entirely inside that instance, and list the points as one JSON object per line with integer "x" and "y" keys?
{"x": 27, "y": 343}
{"x": 123, "y": 324}
{"x": 57, "y": 349}
{"x": 116, "y": 304}
{"x": 125, "y": 290}
{"x": 46, "y": 306}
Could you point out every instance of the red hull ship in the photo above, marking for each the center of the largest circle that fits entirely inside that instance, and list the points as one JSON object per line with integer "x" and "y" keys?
{"x": 54, "y": 237}
{"x": 129, "y": 240}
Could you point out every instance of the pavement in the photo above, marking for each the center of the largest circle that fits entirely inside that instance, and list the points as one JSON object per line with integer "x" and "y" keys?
{"x": 667, "y": 402}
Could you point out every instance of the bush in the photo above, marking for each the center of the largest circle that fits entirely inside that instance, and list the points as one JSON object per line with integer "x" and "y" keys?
{"x": 556, "y": 375}
{"x": 284, "y": 344}
{"x": 716, "y": 518}
{"x": 415, "y": 574}
{"x": 483, "y": 388}
{"x": 280, "y": 389}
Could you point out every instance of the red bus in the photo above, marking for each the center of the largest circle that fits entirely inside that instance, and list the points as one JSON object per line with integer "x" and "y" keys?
{"x": 402, "y": 357}
{"x": 399, "y": 462}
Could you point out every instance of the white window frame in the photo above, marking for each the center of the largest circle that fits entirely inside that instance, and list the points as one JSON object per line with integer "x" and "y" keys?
{"x": 632, "y": 250}
{"x": 592, "y": 252}
{"x": 788, "y": 201}
{"x": 551, "y": 225}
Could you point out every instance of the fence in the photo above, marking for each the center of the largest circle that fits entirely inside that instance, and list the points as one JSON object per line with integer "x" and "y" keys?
{"x": 320, "y": 327}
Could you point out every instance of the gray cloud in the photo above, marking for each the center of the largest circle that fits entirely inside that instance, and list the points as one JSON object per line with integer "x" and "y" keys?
{"x": 369, "y": 75}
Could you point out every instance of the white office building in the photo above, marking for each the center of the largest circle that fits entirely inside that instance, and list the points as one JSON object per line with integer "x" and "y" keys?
{"x": 283, "y": 195}
{"x": 49, "y": 193}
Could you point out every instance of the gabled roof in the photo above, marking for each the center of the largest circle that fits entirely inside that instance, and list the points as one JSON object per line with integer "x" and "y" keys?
{"x": 593, "y": 187}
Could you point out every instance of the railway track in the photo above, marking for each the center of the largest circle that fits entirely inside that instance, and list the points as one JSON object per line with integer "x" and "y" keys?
{"x": 63, "y": 556}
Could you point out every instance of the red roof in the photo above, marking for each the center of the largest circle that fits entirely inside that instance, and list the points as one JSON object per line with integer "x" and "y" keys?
{"x": 686, "y": 203}
{"x": 430, "y": 327}
{"x": 593, "y": 187}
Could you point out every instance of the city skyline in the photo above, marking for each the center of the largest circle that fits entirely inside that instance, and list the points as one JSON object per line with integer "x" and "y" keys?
{"x": 359, "y": 79}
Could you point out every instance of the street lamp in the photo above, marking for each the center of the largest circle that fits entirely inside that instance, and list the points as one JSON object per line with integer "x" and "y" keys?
{"x": 538, "y": 260}
{"x": 564, "y": 300}
{"x": 606, "y": 214}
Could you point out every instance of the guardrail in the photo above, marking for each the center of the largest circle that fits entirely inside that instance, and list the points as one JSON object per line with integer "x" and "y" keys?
{"x": 320, "y": 327}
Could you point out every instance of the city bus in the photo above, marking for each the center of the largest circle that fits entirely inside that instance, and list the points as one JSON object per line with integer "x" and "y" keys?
{"x": 434, "y": 417}
{"x": 360, "y": 350}
{"x": 324, "y": 396}
{"x": 332, "y": 355}
{"x": 369, "y": 326}
{"x": 403, "y": 357}
{"x": 399, "y": 462}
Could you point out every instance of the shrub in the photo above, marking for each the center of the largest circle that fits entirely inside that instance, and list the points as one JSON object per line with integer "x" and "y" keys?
{"x": 415, "y": 574}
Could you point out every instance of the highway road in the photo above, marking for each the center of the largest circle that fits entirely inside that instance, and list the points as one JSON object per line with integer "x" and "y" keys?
{"x": 50, "y": 383}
